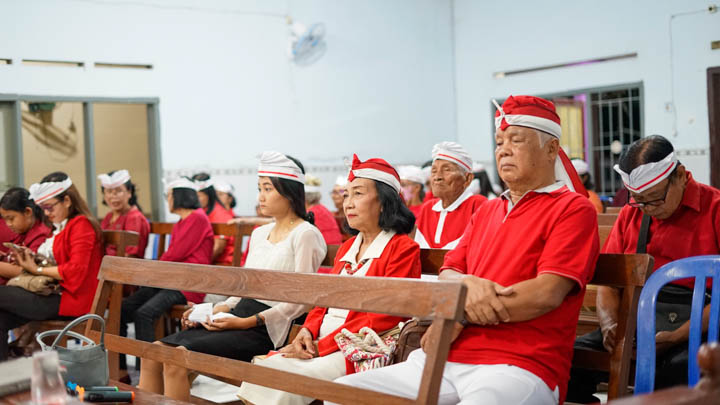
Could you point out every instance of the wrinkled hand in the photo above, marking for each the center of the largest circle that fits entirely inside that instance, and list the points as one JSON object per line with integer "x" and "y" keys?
{"x": 665, "y": 340}
{"x": 185, "y": 321}
{"x": 302, "y": 346}
{"x": 482, "y": 305}
{"x": 425, "y": 339}
{"x": 608, "y": 335}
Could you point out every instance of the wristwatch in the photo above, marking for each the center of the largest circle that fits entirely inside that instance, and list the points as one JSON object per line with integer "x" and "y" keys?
{"x": 259, "y": 320}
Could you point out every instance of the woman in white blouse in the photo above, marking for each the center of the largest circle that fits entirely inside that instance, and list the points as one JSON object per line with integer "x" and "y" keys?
{"x": 290, "y": 243}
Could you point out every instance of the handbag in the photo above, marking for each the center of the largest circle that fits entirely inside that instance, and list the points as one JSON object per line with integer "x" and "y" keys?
{"x": 367, "y": 350}
{"x": 41, "y": 285}
{"x": 86, "y": 364}
{"x": 409, "y": 339}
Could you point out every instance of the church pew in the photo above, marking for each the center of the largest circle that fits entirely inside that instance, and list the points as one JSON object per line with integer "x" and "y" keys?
{"x": 442, "y": 302}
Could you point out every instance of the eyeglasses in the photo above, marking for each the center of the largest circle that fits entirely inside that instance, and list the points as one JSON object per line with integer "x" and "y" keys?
{"x": 113, "y": 191}
{"x": 654, "y": 203}
{"x": 49, "y": 207}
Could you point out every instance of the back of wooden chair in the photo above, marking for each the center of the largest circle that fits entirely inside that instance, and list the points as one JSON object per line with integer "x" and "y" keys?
{"x": 607, "y": 219}
{"x": 603, "y": 233}
{"x": 236, "y": 231}
{"x": 613, "y": 210}
{"x": 121, "y": 240}
{"x": 162, "y": 230}
{"x": 442, "y": 302}
{"x": 628, "y": 273}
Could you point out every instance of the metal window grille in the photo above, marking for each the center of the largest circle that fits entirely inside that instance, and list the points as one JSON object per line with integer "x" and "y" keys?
{"x": 616, "y": 116}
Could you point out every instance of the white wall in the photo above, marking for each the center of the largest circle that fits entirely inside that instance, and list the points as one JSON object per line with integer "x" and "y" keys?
{"x": 227, "y": 91}
{"x": 500, "y": 36}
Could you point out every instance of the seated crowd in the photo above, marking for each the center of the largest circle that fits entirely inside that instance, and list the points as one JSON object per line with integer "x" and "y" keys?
{"x": 525, "y": 254}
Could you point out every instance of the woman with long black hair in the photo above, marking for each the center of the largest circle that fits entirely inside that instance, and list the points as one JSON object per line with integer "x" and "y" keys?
{"x": 252, "y": 327}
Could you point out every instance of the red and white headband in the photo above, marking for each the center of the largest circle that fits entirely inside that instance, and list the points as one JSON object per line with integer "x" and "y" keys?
{"x": 117, "y": 179}
{"x": 648, "y": 175}
{"x": 538, "y": 113}
{"x": 275, "y": 164}
{"x": 453, "y": 152}
{"x": 41, "y": 192}
{"x": 375, "y": 169}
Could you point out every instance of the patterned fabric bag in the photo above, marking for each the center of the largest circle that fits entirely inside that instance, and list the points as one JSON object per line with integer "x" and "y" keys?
{"x": 368, "y": 350}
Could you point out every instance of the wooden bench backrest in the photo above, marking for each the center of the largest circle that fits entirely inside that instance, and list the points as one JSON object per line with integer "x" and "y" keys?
{"x": 121, "y": 240}
{"x": 627, "y": 272}
{"x": 607, "y": 219}
{"x": 238, "y": 231}
{"x": 441, "y": 301}
{"x": 613, "y": 210}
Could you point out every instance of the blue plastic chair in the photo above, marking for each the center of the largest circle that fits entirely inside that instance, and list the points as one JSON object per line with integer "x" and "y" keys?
{"x": 700, "y": 268}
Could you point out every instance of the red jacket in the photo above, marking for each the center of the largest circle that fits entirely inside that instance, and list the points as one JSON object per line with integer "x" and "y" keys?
{"x": 78, "y": 252}
{"x": 400, "y": 258}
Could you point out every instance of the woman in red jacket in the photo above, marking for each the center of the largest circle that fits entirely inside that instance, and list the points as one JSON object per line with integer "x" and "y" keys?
{"x": 76, "y": 247}
{"x": 26, "y": 220}
{"x": 223, "y": 246}
{"x": 381, "y": 248}
{"x": 125, "y": 214}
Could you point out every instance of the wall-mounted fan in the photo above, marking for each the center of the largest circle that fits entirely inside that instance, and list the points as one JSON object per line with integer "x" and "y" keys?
{"x": 307, "y": 44}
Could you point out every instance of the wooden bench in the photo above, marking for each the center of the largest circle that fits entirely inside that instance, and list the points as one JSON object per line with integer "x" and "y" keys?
{"x": 628, "y": 273}
{"x": 441, "y": 301}
{"x": 613, "y": 210}
{"x": 237, "y": 231}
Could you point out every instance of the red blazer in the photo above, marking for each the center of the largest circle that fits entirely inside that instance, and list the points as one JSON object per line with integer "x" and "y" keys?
{"x": 400, "y": 258}
{"x": 78, "y": 252}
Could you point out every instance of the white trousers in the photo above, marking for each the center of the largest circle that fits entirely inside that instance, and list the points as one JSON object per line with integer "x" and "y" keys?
{"x": 327, "y": 367}
{"x": 497, "y": 384}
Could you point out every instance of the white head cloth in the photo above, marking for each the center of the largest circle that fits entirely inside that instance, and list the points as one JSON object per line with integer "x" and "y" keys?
{"x": 41, "y": 192}
{"x": 223, "y": 187}
{"x": 645, "y": 176}
{"x": 581, "y": 166}
{"x": 117, "y": 179}
{"x": 412, "y": 173}
{"x": 453, "y": 152}
{"x": 275, "y": 164}
{"x": 181, "y": 182}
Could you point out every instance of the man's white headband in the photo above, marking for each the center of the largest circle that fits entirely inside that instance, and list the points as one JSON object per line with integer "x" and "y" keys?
{"x": 645, "y": 176}
{"x": 41, "y": 192}
{"x": 117, "y": 179}
{"x": 275, "y": 164}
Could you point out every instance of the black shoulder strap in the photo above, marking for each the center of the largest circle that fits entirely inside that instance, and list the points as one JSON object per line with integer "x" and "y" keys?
{"x": 644, "y": 236}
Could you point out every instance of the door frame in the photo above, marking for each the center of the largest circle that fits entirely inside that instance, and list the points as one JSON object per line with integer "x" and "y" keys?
{"x": 713, "y": 93}
{"x": 15, "y": 172}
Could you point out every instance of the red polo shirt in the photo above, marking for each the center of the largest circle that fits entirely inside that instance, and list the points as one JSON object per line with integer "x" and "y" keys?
{"x": 134, "y": 221}
{"x": 692, "y": 230}
{"x": 551, "y": 230}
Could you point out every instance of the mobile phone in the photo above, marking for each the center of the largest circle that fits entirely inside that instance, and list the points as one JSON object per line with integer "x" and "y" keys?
{"x": 12, "y": 246}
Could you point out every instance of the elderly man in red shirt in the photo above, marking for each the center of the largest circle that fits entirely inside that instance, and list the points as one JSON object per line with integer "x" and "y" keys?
{"x": 441, "y": 221}
{"x": 525, "y": 258}
{"x": 683, "y": 219}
